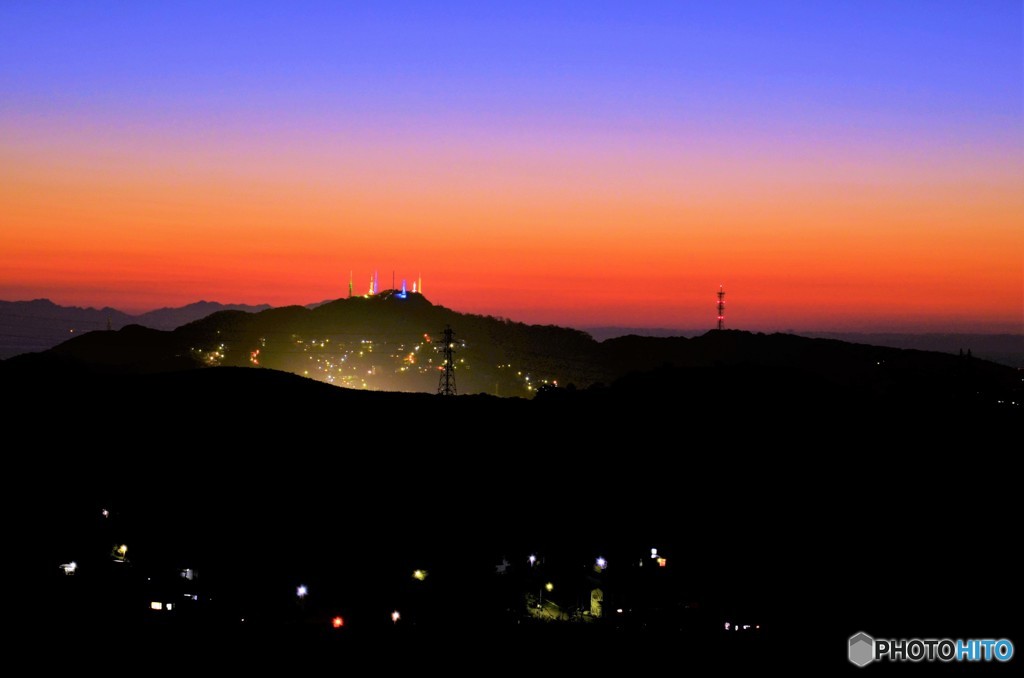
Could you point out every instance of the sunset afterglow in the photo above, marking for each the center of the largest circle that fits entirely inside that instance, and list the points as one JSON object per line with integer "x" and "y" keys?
{"x": 833, "y": 165}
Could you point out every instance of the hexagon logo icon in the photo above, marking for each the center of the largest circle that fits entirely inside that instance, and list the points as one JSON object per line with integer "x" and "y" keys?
{"x": 862, "y": 649}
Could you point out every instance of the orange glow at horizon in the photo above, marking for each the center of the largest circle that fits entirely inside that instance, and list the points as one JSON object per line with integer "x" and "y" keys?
{"x": 632, "y": 231}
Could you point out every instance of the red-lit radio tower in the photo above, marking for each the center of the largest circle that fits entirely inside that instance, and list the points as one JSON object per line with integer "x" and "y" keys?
{"x": 721, "y": 307}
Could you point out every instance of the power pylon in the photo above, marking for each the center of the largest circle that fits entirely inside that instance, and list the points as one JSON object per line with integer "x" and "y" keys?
{"x": 446, "y": 384}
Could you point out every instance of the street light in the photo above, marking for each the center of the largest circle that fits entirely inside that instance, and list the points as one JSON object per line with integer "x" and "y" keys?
{"x": 301, "y": 591}
{"x": 549, "y": 587}
{"x": 532, "y": 559}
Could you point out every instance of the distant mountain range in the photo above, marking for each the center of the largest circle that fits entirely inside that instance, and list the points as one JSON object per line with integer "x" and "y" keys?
{"x": 390, "y": 343}
{"x": 40, "y": 324}
{"x": 37, "y": 325}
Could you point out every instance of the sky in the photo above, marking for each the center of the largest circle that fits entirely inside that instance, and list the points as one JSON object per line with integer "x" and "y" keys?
{"x": 835, "y": 165}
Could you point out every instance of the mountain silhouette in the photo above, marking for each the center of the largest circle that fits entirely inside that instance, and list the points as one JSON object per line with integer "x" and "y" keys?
{"x": 27, "y": 326}
{"x": 387, "y": 342}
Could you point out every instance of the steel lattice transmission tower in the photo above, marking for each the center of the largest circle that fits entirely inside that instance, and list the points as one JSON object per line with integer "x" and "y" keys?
{"x": 446, "y": 384}
{"x": 721, "y": 307}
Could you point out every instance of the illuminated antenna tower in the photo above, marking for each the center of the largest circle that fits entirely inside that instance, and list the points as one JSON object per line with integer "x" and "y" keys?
{"x": 350, "y": 284}
{"x": 721, "y": 307}
{"x": 446, "y": 384}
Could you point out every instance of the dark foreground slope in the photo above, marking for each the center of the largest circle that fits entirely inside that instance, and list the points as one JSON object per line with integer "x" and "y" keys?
{"x": 804, "y": 507}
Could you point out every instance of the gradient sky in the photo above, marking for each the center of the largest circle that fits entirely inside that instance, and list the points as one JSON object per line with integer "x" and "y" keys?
{"x": 837, "y": 165}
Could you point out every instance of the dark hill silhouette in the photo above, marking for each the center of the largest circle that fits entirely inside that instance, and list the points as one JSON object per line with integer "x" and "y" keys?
{"x": 131, "y": 350}
{"x": 130, "y": 347}
{"x": 288, "y": 337}
{"x": 385, "y": 343}
{"x": 1006, "y": 349}
{"x": 169, "y": 318}
{"x": 28, "y": 326}
{"x": 873, "y": 370}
